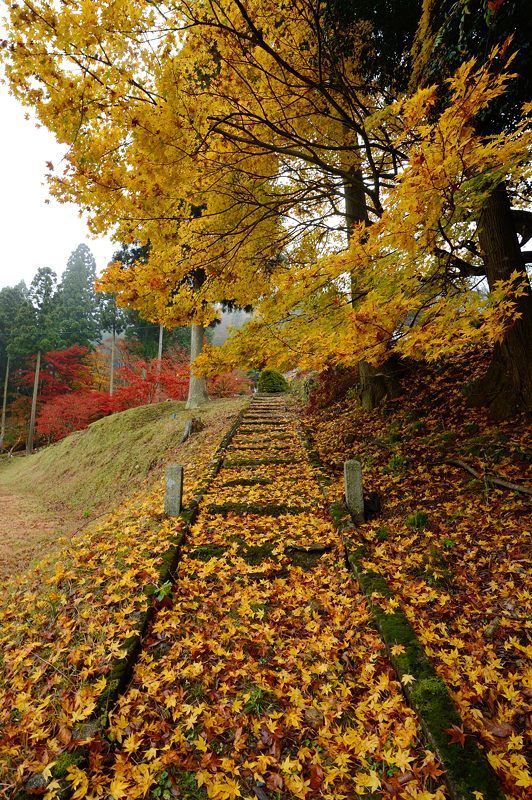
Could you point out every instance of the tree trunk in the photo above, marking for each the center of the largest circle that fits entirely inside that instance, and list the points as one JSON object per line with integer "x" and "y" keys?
{"x": 197, "y": 388}
{"x": 507, "y": 385}
{"x": 378, "y": 383}
{"x": 355, "y": 199}
{"x": 31, "y": 429}
{"x": 375, "y": 383}
{"x": 112, "y": 365}
{"x": 4, "y": 405}
{"x": 159, "y": 359}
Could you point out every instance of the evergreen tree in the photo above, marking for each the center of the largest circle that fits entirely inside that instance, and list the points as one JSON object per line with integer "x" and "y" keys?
{"x": 78, "y": 304}
{"x": 37, "y": 330}
{"x": 11, "y": 300}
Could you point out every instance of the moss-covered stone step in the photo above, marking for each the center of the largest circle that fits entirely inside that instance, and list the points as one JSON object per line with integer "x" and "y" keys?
{"x": 267, "y": 509}
{"x": 255, "y": 481}
{"x": 272, "y": 420}
{"x": 256, "y": 462}
{"x": 275, "y": 447}
{"x": 252, "y": 426}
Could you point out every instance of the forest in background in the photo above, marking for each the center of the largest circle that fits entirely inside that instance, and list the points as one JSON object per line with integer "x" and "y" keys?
{"x": 94, "y": 358}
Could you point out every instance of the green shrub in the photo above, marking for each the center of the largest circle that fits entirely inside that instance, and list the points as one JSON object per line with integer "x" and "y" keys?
{"x": 418, "y": 520}
{"x": 397, "y": 465}
{"x": 272, "y": 381}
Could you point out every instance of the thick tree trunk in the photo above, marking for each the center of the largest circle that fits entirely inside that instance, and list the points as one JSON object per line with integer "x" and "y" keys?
{"x": 4, "y": 405}
{"x": 112, "y": 366}
{"x": 355, "y": 199}
{"x": 507, "y": 385}
{"x": 378, "y": 383}
{"x": 197, "y": 388}
{"x": 31, "y": 429}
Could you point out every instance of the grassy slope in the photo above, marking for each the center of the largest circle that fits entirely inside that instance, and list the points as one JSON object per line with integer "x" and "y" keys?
{"x": 89, "y": 472}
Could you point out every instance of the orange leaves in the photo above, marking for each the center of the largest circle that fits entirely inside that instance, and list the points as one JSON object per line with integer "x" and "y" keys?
{"x": 458, "y": 577}
{"x": 456, "y": 735}
{"x": 64, "y": 623}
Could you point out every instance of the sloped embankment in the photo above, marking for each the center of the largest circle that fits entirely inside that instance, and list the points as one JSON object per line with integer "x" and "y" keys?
{"x": 62, "y": 487}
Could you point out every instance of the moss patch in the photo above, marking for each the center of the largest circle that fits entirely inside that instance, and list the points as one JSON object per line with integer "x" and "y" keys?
{"x": 207, "y": 551}
{"x": 249, "y": 482}
{"x": 270, "y": 509}
{"x": 256, "y": 462}
{"x": 467, "y": 770}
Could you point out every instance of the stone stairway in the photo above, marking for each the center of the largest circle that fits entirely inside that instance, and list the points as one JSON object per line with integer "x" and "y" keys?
{"x": 263, "y": 676}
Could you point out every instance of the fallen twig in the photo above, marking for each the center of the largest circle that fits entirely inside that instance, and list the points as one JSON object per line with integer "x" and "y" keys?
{"x": 493, "y": 479}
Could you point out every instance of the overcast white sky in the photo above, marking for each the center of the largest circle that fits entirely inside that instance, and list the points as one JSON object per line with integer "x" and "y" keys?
{"x": 32, "y": 233}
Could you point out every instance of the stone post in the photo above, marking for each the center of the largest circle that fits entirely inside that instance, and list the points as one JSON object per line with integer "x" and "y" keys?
{"x": 173, "y": 495}
{"x": 354, "y": 497}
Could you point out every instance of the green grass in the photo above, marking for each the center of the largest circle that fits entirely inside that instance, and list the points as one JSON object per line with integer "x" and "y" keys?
{"x": 91, "y": 469}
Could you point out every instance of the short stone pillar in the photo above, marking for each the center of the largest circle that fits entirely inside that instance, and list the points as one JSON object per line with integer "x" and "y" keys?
{"x": 354, "y": 496}
{"x": 173, "y": 495}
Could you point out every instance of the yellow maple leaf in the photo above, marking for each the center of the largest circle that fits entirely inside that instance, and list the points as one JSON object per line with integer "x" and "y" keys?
{"x": 397, "y": 649}
{"x": 201, "y": 744}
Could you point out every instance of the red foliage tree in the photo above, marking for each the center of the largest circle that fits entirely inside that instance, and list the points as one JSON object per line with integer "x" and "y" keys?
{"x": 145, "y": 382}
{"x": 71, "y": 412}
{"x": 229, "y": 384}
{"x": 62, "y": 371}
{"x": 70, "y": 402}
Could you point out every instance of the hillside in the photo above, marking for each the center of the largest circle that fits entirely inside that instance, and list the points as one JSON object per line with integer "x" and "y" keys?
{"x": 452, "y": 544}
{"x": 63, "y": 487}
{"x": 260, "y": 645}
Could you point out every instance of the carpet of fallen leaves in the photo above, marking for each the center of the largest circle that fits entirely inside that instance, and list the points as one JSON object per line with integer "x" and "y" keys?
{"x": 454, "y": 549}
{"x": 261, "y": 676}
{"x": 63, "y": 623}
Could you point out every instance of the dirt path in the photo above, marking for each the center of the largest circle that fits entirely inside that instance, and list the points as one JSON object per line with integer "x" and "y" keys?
{"x": 27, "y": 531}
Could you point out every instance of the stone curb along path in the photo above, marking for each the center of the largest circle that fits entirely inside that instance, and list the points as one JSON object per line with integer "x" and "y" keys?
{"x": 467, "y": 770}
{"x": 263, "y": 675}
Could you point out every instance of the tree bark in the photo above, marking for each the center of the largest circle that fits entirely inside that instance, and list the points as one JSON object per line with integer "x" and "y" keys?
{"x": 375, "y": 383}
{"x": 507, "y": 385}
{"x": 4, "y": 404}
{"x": 378, "y": 383}
{"x": 197, "y": 388}
{"x": 31, "y": 429}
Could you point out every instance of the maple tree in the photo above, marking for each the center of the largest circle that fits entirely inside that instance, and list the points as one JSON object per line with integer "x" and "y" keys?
{"x": 241, "y": 188}
{"x": 447, "y": 34}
